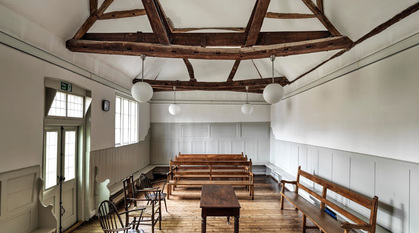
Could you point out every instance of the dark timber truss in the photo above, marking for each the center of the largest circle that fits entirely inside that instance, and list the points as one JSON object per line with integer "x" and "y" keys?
{"x": 248, "y": 43}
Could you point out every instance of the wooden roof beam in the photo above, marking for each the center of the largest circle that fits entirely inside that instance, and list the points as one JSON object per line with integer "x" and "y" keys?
{"x": 197, "y": 52}
{"x": 255, "y": 85}
{"x": 256, "y": 21}
{"x": 322, "y": 18}
{"x": 156, "y": 22}
{"x": 190, "y": 70}
{"x": 320, "y": 5}
{"x": 93, "y": 6}
{"x": 274, "y": 15}
{"x": 233, "y": 71}
{"x": 122, "y": 14}
{"x": 92, "y": 18}
{"x": 211, "y": 39}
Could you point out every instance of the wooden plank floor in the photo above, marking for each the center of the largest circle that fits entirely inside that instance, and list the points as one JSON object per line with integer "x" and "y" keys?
{"x": 260, "y": 215}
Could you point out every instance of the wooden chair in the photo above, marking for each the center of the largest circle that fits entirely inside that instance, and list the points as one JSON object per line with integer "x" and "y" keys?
{"x": 136, "y": 197}
{"x": 110, "y": 220}
{"x": 146, "y": 184}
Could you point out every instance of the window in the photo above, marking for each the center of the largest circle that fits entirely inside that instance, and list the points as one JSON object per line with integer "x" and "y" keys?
{"x": 67, "y": 105}
{"x": 126, "y": 121}
{"x": 51, "y": 151}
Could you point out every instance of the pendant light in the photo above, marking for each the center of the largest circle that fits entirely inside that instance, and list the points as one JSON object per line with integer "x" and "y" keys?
{"x": 142, "y": 91}
{"x": 174, "y": 108}
{"x": 273, "y": 92}
{"x": 247, "y": 108}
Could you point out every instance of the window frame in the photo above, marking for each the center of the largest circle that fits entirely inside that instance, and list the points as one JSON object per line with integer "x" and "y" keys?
{"x": 126, "y": 121}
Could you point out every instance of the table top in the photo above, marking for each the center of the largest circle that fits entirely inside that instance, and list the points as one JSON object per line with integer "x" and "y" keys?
{"x": 218, "y": 196}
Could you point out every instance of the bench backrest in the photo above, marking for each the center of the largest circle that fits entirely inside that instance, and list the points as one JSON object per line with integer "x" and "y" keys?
{"x": 211, "y": 158}
{"x": 369, "y": 203}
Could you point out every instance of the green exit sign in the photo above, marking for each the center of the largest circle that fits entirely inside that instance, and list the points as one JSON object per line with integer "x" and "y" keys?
{"x": 66, "y": 87}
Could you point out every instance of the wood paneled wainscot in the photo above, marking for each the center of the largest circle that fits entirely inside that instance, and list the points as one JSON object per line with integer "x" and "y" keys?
{"x": 21, "y": 208}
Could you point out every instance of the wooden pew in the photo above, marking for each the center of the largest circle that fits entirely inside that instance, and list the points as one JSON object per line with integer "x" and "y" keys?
{"x": 210, "y": 169}
{"x": 318, "y": 216}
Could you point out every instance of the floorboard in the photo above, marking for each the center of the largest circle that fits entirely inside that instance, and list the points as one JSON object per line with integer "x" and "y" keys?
{"x": 260, "y": 215}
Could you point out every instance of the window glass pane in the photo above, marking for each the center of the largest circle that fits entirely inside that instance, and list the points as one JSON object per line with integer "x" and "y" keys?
{"x": 75, "y": 106}
{"x": 58, "y": 107}
{"x": 51, "y": 152}
{"x": 70, "y": 155}
{"x": 118, "y": 121}
{"x": 133, "y": 122}
{"x": 125, "y": 121}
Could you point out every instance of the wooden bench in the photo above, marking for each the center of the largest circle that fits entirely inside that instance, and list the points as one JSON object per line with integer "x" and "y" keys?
{"x": 210, "y": 169}
{"x": 319, "y": 216}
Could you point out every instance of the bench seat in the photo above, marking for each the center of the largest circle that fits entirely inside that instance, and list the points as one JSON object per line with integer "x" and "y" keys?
{"x": 317, "y": 216}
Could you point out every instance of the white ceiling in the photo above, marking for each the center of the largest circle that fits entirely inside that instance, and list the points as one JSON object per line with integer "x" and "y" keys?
{"x": 62, "y": 18}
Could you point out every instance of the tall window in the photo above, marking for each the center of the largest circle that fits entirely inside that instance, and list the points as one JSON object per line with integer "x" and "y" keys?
{"x": 126, "y": 121}
{"x": 67, "y": 105}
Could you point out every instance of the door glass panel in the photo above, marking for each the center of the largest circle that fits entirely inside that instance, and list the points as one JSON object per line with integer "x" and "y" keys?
{"x": 70, "y": 155}
{"x": 51, "y": 159}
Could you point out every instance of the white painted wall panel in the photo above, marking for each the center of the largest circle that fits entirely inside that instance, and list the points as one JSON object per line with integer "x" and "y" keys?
{"x": 224, "y": 147}
{"x": 394, "y": 182}
{"x": 211, "y": 148}
{"x": 198, "y": 113}
{"x": 217, "y": 138}
{"x": 414, "y": 200}
{"x": 392, "y": 185}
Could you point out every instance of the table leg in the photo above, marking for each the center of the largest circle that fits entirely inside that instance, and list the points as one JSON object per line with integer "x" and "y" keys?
{"x": 236, "y": 224}
{"x": 204, "y": 224}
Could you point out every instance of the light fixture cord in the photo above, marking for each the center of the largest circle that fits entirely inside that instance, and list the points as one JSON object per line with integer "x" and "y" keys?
{"x": 174, "y": 93}
{"x": 142, "y": 67}
{"x": 273, "y": 65}
{"x": 247, "y": 94}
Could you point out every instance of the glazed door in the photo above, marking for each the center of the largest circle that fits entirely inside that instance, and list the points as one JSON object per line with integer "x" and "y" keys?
{"x": 60, "y": 161}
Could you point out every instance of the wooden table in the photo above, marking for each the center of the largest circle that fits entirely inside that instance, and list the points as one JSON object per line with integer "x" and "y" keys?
{"x": 219, "y": 200}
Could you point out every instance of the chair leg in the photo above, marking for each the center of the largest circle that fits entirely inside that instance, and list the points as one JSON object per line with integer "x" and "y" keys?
{"x": 165, "y": 204}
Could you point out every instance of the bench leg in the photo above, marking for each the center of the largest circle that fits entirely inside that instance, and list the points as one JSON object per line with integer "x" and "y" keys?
{"x": 253, "y": 192}
{"x": 282, "y": 202}
{"x": 304, "y": 223}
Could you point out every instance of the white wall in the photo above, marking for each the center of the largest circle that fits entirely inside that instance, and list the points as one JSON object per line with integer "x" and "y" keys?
{"x": 360, "y": 131}
{"x": 373, "y": 110}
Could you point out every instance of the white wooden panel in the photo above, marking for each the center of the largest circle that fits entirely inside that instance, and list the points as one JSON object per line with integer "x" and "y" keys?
{"x": 325, "y": 163}
{"x": 392, "y": 183}
{"x": 250, "y": 149}
{"x": 164, "y": 131}
{"x": 341, "y": 166}
{"x": 198, "y": 147}
{"x": 294, "y": 158}
{"x": 414, "y": 200}
{"x": 362, "y": 175}
{"x": 185, "y": 147}
{"x": 255, "y": 130}
{"x": 303, "y": 157}
{"x": 211, "y": 147}
{"x": 20, "y": 183}
{"x": 224, "y": 130}
{"x": 18, "y": 224}
{"x": 50, "y": 201}
{"x": 19, "y": 199}
{"x": 237, "y": 147}
{"x": 313, "y": 159}
{"x": 195, "y": 130}
{"x": 68, "y": 204}
{"x": 224, "y": 147}
{"x": 263, "y": 151}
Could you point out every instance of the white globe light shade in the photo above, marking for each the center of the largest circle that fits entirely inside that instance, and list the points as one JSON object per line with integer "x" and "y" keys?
{"x": 247, "y": 109}
{"x": 142, "y": 92}
{"x": 273, "y": 93}
{"x": 174, "y": 109}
